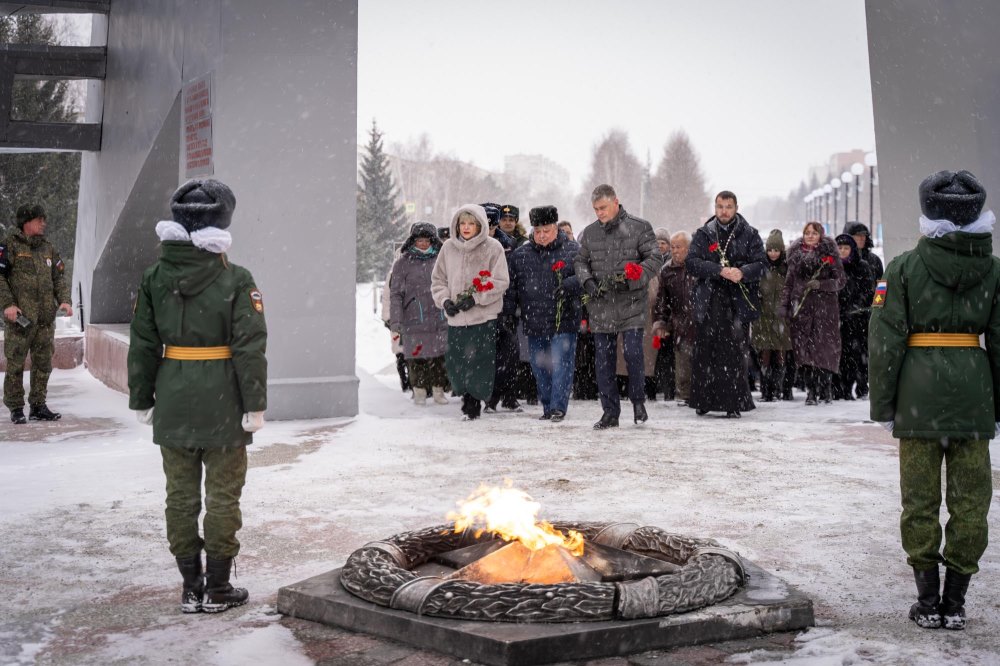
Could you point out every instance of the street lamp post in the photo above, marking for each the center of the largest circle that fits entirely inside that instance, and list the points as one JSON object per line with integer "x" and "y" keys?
{"x": 827, "y": 190}
{"x": 856, "y": 170}
{"x": 871, "y": 160}
{"x": 846, "y": 179}
{"x": 835, "y": 185}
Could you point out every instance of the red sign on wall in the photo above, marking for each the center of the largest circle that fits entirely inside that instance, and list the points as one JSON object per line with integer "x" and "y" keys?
{"x": 196, "y": 127}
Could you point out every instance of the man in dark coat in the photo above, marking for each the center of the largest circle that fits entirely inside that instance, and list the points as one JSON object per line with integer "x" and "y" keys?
{"x": 938, "y": 390}
{"x": 863, "y": 238}
{"x": 855, "y": 308}
{"x": 727, "y": 258}
{"x": 197, "y": 372}
{"x": 672, "y": 313}
{"x": 547, "y": 291}
{"x": 617, "y": 259}
{"x": 508, "y": 350}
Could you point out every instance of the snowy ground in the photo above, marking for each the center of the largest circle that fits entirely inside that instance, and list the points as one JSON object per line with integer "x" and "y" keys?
{"x": 810, "y": 494}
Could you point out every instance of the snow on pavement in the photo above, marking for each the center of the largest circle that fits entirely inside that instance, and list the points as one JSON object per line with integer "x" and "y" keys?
{"x": 810, "y": 494}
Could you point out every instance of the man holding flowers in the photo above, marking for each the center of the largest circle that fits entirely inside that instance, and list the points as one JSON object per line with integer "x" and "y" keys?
{"x": 617, "y": 259}
{"x": 468, "y": 283}
{"x": 727, "y": 258}
{"x": 547, "y": 291}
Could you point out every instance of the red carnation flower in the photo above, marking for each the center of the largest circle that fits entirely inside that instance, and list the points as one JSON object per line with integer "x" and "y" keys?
{"x": 633, "y": 271}
{"x": 416, "y": 350}
{"x": 656, "y": 342}
{"x": 828, "y": 260}
{"x": 559, "y": 265}
{"x": 485, "y": 274}
{"x": 713, "y": 247}
{"x": 489, "y": 286}
{"x": 477, "y": 282}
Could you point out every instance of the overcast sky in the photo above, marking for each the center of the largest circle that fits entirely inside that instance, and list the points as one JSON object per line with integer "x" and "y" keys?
{"x": 765, "y": 88}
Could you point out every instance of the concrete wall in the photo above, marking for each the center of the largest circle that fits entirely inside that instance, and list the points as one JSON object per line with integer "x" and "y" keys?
{"x": 285, "y": 97}
{"x": 936, "y": 95}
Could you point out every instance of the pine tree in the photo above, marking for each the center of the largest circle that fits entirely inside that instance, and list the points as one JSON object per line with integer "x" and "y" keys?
{"x": 50, "y": 179}
{"x": 679, "y": 197}
{"x": 379, "y": 218}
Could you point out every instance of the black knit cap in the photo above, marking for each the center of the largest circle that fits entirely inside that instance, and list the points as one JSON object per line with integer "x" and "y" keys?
{"x": 947, "y": 195}
{"x": 510, "y": 210}
{"x": 198, "y": 204}
{"x": 543, "y": 215}
{"x": 26, "y": 213}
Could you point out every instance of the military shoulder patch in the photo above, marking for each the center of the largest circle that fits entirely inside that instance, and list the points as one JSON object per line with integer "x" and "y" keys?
{"x": 60, "y": 266}
{"x": 257, "y": 300}
{"x": 881, "y": 291}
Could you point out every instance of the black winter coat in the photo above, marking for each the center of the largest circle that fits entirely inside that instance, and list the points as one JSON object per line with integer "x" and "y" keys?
{"x": 745, "y": 251}
{"x": 533, "y": 284}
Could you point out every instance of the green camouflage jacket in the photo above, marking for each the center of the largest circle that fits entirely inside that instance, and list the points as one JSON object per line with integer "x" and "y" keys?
{"x": 946, "y": 285}
{"x": 195, "y": 298}
{"x": 32, "y": 277}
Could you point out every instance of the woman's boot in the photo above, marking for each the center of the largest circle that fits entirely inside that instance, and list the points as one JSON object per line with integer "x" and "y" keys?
{"x": 766, "y": 384}
{"x": 925, "y": 612}
{"x": 439, "y": 397}
{"x": 953, "y": 600}
{"x": 809, "y": 376}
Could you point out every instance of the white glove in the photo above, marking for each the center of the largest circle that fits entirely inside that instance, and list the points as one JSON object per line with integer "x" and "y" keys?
{"x": 144, "y": 416}
{"x": 888, "y": 425}
{"x": 253, "y": 421}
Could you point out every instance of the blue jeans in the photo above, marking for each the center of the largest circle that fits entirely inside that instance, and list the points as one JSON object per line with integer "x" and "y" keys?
{"x": 606, "y": 362}
{"x": 553, "y": 358}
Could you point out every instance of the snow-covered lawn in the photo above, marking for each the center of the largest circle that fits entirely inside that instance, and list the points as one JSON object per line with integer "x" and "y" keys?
{"x": 808, "y": 493}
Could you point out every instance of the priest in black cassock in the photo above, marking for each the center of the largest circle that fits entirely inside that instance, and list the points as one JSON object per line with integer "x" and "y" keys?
{"x": 728, "y": 259}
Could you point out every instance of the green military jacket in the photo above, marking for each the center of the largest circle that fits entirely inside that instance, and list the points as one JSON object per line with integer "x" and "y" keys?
{"x": 946, "y": 285}
{"x": 195, "y": 298}
{"x": 32, "y": 277}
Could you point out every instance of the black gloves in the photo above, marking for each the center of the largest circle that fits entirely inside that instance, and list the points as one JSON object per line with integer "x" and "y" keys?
{"x": 623, "y": 286}
{"x": 450, "y": 308}
{"x": 465, "y": 302}
{"x": 591, "y": 288}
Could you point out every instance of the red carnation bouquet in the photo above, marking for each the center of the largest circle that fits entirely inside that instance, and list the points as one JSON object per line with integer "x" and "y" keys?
{"x": 480, "y": 284}
{"x": 824, "y": 262}
{"x": 633, "y": 272}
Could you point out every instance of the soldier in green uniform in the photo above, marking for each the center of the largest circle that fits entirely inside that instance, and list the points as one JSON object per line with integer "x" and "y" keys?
{"x": 32, "y": 289}
{"x": 198, "y": 373}
{"x": 937, "y": 390}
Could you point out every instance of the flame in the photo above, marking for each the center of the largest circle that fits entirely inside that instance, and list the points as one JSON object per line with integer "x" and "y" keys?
{"x": 511, "y": 514}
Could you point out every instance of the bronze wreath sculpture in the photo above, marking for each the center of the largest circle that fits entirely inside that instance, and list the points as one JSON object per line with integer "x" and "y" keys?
{"x": 380, "y": 572}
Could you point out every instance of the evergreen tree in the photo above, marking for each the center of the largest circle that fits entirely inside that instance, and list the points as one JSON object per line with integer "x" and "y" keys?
{"x": 680, "y": 200}
{"x": 380, "y": 223}
{"x": 51, "y": 179}
{"x": 615, "y": 164}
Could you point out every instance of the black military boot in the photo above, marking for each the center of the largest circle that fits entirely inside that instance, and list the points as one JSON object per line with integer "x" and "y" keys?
{"x": 219, "y": 594}
{"x": 639, "y": 412}
{"x": 766, "y": 385}
{"x": 809, "y": 375}
{"x": 606, "y": 421}
{"x": 17, "y": 416}
{"x": 953, "y": 600}
{"x": 43, "y": 413}
{"x": 194, "y": 583}
{"x": 825, "y": 389}
{"x": 925, "y": 612}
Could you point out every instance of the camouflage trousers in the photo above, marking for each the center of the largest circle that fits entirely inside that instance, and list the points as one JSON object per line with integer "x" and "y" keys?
{"x": 39, "y": 340}
{"x": 969, "y": 488}
{"x": 225, "y": 473}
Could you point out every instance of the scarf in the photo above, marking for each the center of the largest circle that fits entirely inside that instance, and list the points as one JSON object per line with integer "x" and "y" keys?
{"x": 210, "y": 239}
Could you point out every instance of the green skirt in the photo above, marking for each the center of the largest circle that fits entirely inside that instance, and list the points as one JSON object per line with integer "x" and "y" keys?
{"x": 471, "y": 359}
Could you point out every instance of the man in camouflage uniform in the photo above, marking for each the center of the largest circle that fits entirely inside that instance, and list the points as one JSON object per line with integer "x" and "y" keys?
{"x": 198, "y": 373}
{"x": 938, "y": 391}
{"x": 33, "y": 288}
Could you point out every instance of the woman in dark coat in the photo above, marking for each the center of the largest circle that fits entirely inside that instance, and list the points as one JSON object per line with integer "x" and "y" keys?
{"x": 422, "y": 326}
{"x": 855, "y": 308}
{"x": 770, "y": 334}
{"x": 809, "y": 301}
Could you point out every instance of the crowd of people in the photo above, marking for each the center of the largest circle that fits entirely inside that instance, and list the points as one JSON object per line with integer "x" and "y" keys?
{"x": 495, "y": 313}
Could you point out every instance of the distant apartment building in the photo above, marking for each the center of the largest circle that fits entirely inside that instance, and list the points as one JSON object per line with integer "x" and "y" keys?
{"x": 539, "y": 172}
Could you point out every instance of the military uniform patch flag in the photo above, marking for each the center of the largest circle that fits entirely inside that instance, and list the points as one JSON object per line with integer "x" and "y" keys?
{"x": 257, "y": 299}
{"x": 881, "y": 290}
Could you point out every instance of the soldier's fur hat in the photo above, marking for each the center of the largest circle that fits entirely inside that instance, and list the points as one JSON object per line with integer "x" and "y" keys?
{"x": 203, "y": 203}
{"x": 543, "y": 215}
{"x": 27, "y": 212}
{"x": 957, "y": 197}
